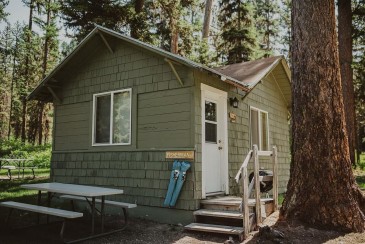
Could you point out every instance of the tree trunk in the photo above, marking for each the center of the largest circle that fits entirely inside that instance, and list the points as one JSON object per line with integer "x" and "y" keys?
{"x": 15, "y": 54}
{"x": 322, "y": 190}
{"x": 138, "y": 8}
{"x": 24, "y": 100}
{"x": 207, "y": 18}
{"x": 345, "y": 54}
{"x": 44, "y": 71}
{"x": 174, "y": 35}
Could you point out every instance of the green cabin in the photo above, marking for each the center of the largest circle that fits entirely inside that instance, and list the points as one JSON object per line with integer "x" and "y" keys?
{"x": 123, "y": 110}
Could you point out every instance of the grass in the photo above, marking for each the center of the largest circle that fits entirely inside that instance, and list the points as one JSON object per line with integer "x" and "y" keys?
{"x": 11, "y": 190}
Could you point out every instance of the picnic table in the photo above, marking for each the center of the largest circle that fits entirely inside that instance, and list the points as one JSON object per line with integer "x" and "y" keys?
{"x": 19, "y": 164}
{"x": 86, "y": 192}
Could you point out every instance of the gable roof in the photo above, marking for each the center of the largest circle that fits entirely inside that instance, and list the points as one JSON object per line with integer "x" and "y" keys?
{"x": 250, "y": 73}
{"x": 244, "y": 79}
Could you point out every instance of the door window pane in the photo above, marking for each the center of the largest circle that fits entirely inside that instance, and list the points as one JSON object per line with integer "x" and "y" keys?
{"x": 121, "y": 117}
{"x": 210, "y": 111}
{"x": 210, "y": 132}
{"x": 102, "y": 117}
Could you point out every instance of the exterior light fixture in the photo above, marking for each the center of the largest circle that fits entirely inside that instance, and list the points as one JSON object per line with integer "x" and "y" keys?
{"x": 234, "y": 102}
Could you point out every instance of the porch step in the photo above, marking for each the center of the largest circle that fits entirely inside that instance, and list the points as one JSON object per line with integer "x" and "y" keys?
{"x": 224, "y": 229}
{"x": 219, "y": 213}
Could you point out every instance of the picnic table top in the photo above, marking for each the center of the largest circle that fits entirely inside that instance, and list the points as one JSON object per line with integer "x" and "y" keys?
{"x": 73, "y": 189}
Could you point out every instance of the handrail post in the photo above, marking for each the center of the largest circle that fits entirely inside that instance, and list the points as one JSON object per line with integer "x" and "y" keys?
{"x": 257, "y": 184}
{"x": 275, "y": 176}
{"x": 245, "y": 211}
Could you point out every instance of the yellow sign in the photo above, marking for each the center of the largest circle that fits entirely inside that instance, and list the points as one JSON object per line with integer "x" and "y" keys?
{"x": 180, "y": 154}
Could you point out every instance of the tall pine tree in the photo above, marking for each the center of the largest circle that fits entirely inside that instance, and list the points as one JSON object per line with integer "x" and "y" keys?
{"x": 267, "y": 24}
{"x": 238, "y": 35}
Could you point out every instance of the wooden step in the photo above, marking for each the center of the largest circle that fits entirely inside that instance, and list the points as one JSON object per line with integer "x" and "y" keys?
{"x": 224, "y": 229}
{"x": 219, "y": 213}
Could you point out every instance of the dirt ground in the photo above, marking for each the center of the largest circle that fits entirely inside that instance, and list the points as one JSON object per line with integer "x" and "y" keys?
{"x": 142, "y": 231}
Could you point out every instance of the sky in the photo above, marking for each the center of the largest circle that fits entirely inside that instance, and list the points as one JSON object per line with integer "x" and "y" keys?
{"x": 19, "y": 12}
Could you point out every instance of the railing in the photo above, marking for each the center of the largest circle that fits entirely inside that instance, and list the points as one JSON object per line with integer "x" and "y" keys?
{"x": 246, "y": 189}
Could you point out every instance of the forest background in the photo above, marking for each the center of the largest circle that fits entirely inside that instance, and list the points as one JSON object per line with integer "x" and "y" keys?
{"x": 210, "y": 32}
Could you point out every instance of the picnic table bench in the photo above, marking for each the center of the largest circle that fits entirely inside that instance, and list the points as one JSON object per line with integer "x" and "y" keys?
{"x": 65, "y": 214}
{"x": 123, "y": 205}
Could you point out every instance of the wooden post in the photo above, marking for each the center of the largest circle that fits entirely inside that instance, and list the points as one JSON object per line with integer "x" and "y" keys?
{"x": 275, "y": 176}
{"x": 257, "y": 184}
{"x": 245, "y": 211}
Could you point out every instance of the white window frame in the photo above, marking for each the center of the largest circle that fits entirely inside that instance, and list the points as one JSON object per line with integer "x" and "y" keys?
{"x": 260, "y": 127}
{"x": 111, "y": 93}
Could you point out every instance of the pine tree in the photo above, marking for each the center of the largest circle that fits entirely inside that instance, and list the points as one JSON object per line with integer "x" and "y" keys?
{"x": 267, "y": 24}
{"x": 80, "y": 16}
{"x": 320, "y": 161}
{"x": 3, "y": 14}
{"x": 285, "y": 29}
{"x": 5, "y": 96}
{"x": 175, "y": 25}
{"x": 238, "y": 35}
{"x": 49, "y": 8}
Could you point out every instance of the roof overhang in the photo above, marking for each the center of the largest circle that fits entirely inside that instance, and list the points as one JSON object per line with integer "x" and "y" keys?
{"x": 43, "y": 86}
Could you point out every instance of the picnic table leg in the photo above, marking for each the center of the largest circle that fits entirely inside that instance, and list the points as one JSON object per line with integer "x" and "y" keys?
{"x": 9, "y": 174}
{"x": 93, "y": 216}
{"x": 48, "y": 203}
{"x": 102, "y": 213}
{"x": 8, "y": 218}
{"x": 39, "y": 204}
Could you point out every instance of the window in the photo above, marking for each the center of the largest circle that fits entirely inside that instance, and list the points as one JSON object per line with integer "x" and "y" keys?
{"x": 259, "y": 123}
{"x": 112, "y": 118}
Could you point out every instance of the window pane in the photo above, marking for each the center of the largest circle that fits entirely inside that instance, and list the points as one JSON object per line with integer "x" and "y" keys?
{"x": 210, "y": 132}
{"x": 102, "y": 119}
{"x": 210, "y": 111}
{"x": 121, "y": 117}
{"x": 255, "y": 128}
{"x": 264, "y": 137}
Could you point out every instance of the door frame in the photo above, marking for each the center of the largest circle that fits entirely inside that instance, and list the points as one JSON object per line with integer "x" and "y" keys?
{"x": 224, "y": 164}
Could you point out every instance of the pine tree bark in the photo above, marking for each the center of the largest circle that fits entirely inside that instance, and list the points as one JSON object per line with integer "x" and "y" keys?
{"x": 345, "y": 54}
{"x": 322, "y": 190}
{"x": 24, "y": 101}
{"x": 207, "y": 18}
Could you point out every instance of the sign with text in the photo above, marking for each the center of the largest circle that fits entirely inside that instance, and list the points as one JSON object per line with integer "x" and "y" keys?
{"x": 180, "y": 154}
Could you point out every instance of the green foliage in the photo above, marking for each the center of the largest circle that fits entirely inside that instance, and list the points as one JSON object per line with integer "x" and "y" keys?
{"x": 3, "y": 14}
{"x": 267, "y": 24}
{"x": 40, "y": 154}
{"x": 81, "y": 15}
{"x": 238, "y": 35}
{"x": 285, "y": 28}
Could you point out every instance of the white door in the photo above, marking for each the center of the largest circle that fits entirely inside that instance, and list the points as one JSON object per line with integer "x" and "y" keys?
{"x": 214, "y": 141}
